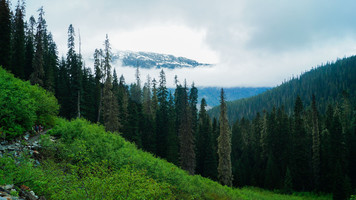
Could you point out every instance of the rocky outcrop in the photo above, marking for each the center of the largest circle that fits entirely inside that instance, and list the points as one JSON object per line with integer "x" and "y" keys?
{"x": 12, "y": 192}
{"x": 26, "y": 144}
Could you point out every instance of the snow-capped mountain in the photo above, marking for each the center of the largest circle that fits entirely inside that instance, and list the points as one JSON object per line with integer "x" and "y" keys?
{"x": 150, "y": 60}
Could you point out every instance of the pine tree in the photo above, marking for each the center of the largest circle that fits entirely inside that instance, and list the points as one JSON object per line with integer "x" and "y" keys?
{"x": 62, "y": 90}
{"x": 172, "y": 136}
{"x": 148, "y": 134}
{"x": 29, "y": 53}
{"x": 5, "y": 34}
{"x": 193, "y": 101}
{"x": 162, "y": 117}
{"x": 206, "y": 151}
{"x": 224, "y": 145}
{"x": 110, "y": 106}
{"x": 38, "y": 72}
{"x": 288, "y": 183}
{"x": 50, "y": 63}
{"x": 316, "y": 144}
{"x": 99, "y": 77}
{"x": 186, "y": 137}
{"x": 300, "y": 167}
{"x": 18, "y": 49}
{"x": 75, "y": 71}
{"x": 123, "y": 101}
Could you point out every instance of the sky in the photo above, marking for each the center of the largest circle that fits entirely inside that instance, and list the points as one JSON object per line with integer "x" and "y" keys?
{"x": 251, "y": 43}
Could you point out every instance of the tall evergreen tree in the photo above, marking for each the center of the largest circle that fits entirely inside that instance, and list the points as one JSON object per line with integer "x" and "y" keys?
{"x": 29, "y": 53}
{"x": 316, "y": 144}
{"x": 193, "y": 101}
{"x": 300, "y": 165}
{"x": 110, "y": 103}
{"x": 123, "y": 101}
{"x": 75, "y": 71}
{"x": 162, "y": 117}
{"x": 18, "y": 49}
{"x": 38, "y": 70}
{"x": 5, "y": 34}
{"x": 62, "y": 89}
{"x": 206, "y": 151}
{"x": 186, "y": 137}
{"x": 172, "y": 136}
{"x": 224, "y": 145}
{"x": 148, "y": 134}
{"x": 50, "y": 63}
{"x": 99, "y": 77}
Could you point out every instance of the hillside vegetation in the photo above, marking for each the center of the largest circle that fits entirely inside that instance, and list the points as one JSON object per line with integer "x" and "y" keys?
{"x": 86, "y": 162}
{"x": 326, "y": 82}
{"x": 23, "y": 105}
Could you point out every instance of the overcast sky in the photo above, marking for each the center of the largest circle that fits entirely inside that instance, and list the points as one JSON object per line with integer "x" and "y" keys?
{"x": 252, "y": 42}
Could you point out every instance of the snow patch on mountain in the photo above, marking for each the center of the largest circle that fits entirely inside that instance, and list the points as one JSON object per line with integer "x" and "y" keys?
{"x": 149, "y": 60}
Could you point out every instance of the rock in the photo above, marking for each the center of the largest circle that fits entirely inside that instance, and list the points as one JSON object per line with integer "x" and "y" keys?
{"x": 26, "y": 137}
{"x": 8, "y": 187}
{"x": 5, "y": 198}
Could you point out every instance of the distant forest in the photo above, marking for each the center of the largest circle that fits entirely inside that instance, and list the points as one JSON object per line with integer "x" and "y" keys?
{"x": 299, "y": 136}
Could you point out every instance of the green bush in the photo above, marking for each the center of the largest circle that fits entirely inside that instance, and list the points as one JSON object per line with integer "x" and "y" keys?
{"x": 22, "y": 105}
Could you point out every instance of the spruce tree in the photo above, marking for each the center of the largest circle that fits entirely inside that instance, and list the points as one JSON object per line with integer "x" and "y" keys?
{"x": 29, "y": 53}
{"x": 193, "y": 101}
{"x": 99, "y": 77}
{"x": 162, "y": 117}
{"x": 110, "y": 105}
{"x": 186, "y": 137}
{"x": 123, "y": 101}
{"x": 37, "y": 63}
{"x": 316, "y": 144}
{"x": 5, "y": 34}
{"x": 18, "y": 49}
{"x": 224, "y": 145}
{"x": 172, "y": 136}
{"x": 148, "y": 134}
{"x": 206, "y": 151}
{"x": 75, "y": 71}
{"x": 63, "y": 89}
{"x": 50, "y": 63}
{"x": 300, "y": 167}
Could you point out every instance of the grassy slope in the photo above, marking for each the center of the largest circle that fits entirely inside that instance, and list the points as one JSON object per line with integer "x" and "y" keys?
{"x": 89, "y": 163}
{"x": 112, "y": 147}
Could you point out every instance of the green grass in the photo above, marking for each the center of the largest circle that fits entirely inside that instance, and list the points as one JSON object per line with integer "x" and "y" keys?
{"x": 253, "y": 193}
{"x": 89, "y": 163}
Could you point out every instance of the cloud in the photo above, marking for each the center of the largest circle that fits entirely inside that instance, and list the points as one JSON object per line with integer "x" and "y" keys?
{"x": 255, "y": 43}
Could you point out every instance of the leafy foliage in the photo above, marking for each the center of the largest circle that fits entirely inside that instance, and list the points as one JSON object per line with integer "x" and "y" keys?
{"x": 23, "y": 105}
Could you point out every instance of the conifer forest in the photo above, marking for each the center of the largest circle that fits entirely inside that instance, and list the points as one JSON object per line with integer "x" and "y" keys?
{"x": 296, "y": 139}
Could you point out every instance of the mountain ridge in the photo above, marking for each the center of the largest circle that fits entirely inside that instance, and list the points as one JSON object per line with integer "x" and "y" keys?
{"x": 149, "y": 60}
{"x": 327, "y": 82}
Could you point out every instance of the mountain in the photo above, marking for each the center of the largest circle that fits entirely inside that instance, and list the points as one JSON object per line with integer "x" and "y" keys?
{"x": 327, "y": 83}
{"x": 149, "y": 60}
{"x": 212, "y": 94}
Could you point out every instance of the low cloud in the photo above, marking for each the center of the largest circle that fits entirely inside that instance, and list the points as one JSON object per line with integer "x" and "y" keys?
{"x": 255, "y": 43}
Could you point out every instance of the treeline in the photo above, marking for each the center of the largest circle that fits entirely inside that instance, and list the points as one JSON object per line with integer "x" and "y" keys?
{"x": 326, "y": 82}
{"x": 148, "y": 114}
{"x": 303, "y": 151}
{"x": 288, "y": 147}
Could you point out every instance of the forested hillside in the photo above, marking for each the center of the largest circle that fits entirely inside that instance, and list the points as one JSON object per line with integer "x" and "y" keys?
{"x": 326, "y": 82}
{"x": 80, "y": 160}
{"x": 155, "y": 139}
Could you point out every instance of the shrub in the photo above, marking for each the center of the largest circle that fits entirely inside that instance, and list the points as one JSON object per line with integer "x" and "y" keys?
{"x": 22, "y": 105}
